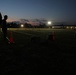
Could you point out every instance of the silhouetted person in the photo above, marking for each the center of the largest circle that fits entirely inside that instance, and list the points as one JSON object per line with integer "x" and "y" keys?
{"x": 4, "y": 27}
{"x": 0, "y": 18}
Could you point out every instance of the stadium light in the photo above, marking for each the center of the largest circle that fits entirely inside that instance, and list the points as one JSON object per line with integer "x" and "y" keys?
{"x": 67, "y": 27}
{"x": 49, "y": 22}
{"x": 53, "y": 27}
{"x": 22, "y": 25}
{"x": 71, "y": 27}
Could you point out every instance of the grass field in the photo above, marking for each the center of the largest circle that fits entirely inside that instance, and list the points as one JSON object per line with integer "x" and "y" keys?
{"x": 33, "y": 54}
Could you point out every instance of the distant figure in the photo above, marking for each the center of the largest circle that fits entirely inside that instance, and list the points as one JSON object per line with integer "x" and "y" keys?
{"x": 4, "y": 27}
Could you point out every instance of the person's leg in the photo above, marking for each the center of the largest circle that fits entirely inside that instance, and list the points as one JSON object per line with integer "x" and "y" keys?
{"x": 4, "y": 35}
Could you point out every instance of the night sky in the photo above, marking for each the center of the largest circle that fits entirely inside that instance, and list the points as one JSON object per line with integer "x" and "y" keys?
{"x": 53, "y": 10}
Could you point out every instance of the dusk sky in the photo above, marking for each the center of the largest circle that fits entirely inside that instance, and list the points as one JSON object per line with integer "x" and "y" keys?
{"x": 53, "y": 10}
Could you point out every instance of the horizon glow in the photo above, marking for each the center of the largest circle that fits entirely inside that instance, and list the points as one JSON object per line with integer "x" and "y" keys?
{"x": 63, "y": 11}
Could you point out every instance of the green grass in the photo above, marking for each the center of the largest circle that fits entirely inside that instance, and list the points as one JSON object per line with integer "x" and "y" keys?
{"x": 40, "y": 57}
{"x": 65, "y": 38}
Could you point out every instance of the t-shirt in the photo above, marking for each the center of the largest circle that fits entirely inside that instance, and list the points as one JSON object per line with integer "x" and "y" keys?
{"x": 4, "y": 25}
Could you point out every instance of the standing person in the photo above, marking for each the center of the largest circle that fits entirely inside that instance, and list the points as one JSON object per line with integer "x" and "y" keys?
{"x": 0, "y": 18}
{"x": 4, "y": 27}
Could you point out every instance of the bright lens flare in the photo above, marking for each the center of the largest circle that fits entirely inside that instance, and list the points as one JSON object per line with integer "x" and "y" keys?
{"x": 49, "y": 22}
{"x": 22, "y": 25}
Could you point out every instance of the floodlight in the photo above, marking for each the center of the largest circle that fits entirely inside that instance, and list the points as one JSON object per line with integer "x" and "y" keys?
{"x": 22, "y": 25}
{"x": 49, "y": 22}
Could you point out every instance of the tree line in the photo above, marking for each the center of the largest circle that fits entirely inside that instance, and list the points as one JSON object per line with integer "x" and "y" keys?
{"x": 26, "y": 25}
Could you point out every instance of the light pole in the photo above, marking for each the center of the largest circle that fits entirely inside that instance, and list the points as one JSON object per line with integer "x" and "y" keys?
{"x": 22, "y": 26}
{"x": 49, "y": 23}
